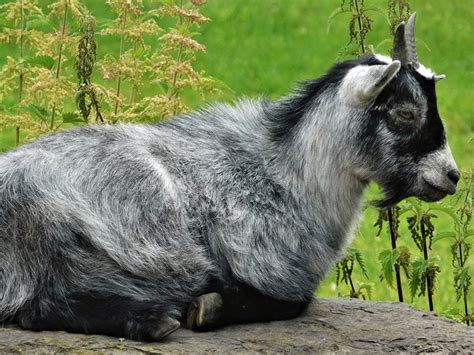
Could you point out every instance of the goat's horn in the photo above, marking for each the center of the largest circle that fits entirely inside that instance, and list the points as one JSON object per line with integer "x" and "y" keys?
{"x": 399, "y": 51}
{"x": 410, "y": 41}
{"x": 439, "y": 77}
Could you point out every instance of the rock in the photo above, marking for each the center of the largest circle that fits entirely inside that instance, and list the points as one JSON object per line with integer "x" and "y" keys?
{"x": 329, "y": 325}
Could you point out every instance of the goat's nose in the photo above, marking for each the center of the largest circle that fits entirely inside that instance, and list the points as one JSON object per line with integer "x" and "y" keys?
{"x": 454, "y": 176}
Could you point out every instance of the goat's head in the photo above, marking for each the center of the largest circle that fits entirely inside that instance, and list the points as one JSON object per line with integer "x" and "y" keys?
{"x": 403, "y": 143}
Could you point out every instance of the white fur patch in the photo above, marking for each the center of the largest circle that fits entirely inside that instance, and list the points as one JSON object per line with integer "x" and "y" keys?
{"x": 435, "y": 168}
{"x": 426, "y": 72}
{"x": 383, "y": 58}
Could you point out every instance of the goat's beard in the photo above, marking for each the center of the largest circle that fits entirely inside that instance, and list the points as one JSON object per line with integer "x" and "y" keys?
{"x": 393, "y": 194}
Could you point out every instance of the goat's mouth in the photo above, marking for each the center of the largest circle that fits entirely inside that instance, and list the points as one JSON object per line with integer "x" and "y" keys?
{"x": 432, "y": 192}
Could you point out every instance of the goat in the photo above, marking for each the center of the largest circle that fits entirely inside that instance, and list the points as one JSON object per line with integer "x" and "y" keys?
{"x": 230, "y": 214}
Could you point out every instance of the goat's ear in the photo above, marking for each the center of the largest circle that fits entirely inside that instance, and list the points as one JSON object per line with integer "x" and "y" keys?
{"x": 364, "y": 83}
{"x": 379, "y": 76}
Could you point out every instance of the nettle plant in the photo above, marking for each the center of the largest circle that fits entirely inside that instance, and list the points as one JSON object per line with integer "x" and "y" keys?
{"x": 420, "y": 272}
{"x": 18, "y": 73}
{"x": 131, "y": 64}
{"x": 48, "y": 83}
{"x": 344, "y": 269}
{"x": 397, "y": 11}
{"x": 169, "y": 68}
{"x": 460, "y": 244}
{"x": 425, "y": 269}
{"x": 55, "y": 87}
{"x": 398, "y": 257}
{"x": 360, "y": 22}
{"x": 87, "y": 97}
{"x": 45, "y": 47}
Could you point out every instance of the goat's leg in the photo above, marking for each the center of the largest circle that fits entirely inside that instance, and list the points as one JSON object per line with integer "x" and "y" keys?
{"x": 96, "y": 314}
{"x": 239, "y": 304}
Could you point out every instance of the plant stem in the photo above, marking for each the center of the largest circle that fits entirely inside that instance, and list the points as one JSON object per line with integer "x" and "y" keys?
{"x": 393, "y": 238}
{"x": 17, "y": 135}
{"x": 173, "y": 90}
{"x": 461, "y": 261}
{"x": 348, "y": 273}
{"x": 22, "y": 75}
{"x": 181, "y": 6}
{"x": 362, "y": 47}
{"x": 466, "y": 309}
{"x": 58, "y": 68}
{"x": 133, "y": 93}
{"x": 425, "y": 256}
{"x": 22, "y": 50}
{"x": 122, "y": 43}
{"x": 95, "y": 102}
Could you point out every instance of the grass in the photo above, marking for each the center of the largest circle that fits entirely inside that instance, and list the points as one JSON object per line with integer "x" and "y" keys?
{"x": 264, "y": 47}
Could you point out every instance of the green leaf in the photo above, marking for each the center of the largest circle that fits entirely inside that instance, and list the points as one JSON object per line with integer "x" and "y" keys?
{"x": 72, "y": 117}
{"x": 451, "y": 311}
{"x": 367, "y": 287}
{"x": 38, "y": 112}
{"x": 388, "y": 258}
{"x": 416, "y": 208}
{"x": 151, "y": 14}
{"x": 434, "y": 260}
{"x": 360, "y": 260}
{"x": 418, "y": 269}
{"x": 379, "y": 10}
{"x": 447, "y": 211}
{"x": 406, "y": 208}
{"x": 469, "y": 233}
{"x": 138, "y": 52}
{"x": 464, "y": 278}
{"x": 443, "y": 235}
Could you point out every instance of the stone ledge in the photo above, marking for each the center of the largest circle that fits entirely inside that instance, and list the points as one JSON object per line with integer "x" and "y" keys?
{"x": 329, "y": 325}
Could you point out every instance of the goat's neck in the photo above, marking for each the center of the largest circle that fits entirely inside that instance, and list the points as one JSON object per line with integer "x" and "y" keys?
{"x": 315, "y": 167}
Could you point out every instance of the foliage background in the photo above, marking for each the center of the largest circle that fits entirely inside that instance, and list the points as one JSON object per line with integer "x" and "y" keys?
{"x": 263, "y": 47}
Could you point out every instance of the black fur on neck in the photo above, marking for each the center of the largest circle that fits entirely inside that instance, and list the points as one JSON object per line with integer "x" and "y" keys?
{"x": 285, "y": 113}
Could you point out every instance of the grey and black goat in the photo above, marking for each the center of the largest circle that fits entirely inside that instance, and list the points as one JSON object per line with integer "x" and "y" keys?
{"x": 229, "y": 214}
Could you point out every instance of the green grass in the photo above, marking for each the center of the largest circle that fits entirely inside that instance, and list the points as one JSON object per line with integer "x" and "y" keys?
{"x": 264, "y": 47}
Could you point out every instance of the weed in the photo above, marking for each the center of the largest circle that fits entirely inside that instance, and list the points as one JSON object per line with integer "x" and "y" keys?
{"x": 344, "y": 269}
{"x": 86, "y": 95}
{"x": 460, "y": 245}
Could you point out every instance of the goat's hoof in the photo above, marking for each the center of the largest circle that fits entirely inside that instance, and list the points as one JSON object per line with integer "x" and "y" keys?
{"x": 165, "y": 328}
{"x": 204, "y": 312}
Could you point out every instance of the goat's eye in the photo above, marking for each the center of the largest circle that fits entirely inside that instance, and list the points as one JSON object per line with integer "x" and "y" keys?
{"x": 406, "y": 115}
